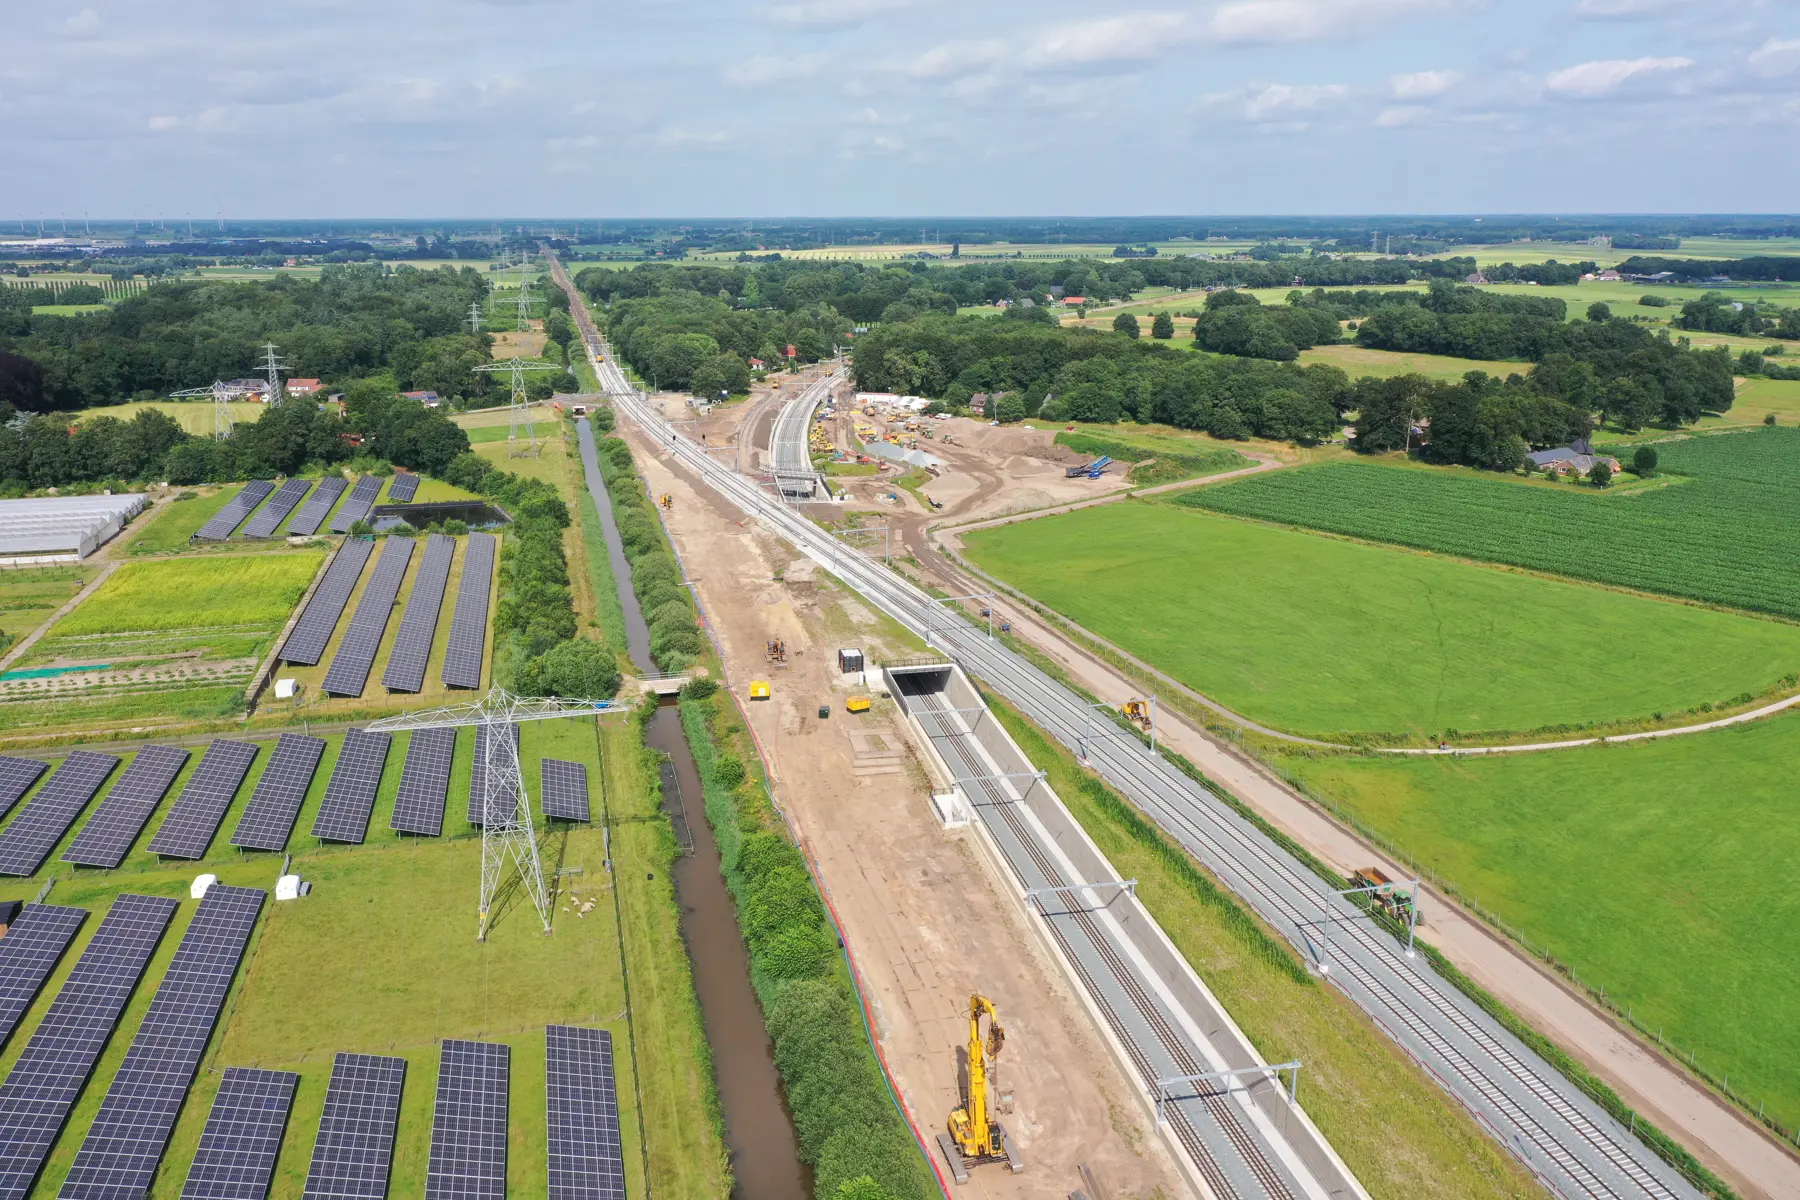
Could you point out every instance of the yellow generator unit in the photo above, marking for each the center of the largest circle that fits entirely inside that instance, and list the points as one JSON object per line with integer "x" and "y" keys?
{"x": 759, "y": 689}
{"x": 857, "y": 704}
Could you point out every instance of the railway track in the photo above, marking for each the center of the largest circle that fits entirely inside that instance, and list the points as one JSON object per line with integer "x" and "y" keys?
{"x": 1566, "y": 1139}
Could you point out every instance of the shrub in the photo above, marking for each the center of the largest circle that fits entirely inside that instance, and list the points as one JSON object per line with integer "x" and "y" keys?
{"x": 580, "y": 669}
{"x": 1601, "y": 475}
{"x": 1644, "y": 461}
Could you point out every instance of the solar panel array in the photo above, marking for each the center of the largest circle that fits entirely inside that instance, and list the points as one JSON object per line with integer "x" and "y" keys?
{"x": 355, "y": 1149}
{"x": 269, "y": 817}
{"x": 468, "y": 628}
{"x": 263, "y": 523}
{"x": 16, "y": 777}
{"x": 107, "y": 837}
{"x": 565, "y": 790}
{"x": 119, "y": 1156}
{"x": 54, "y": 1066}
{"x": 412, "y": 645}
{"x": 403, "y": 489}
{"x": 188, "y": 829}
{"x": 32, "y": 947}
{"x": 587, "y": 1157}
{"x": 468, "y": 1123}
{"x": 350, "y": 666}
{"x": 236, "y": 1158}
{"x": 30, "y": 837}
{"x": 227, "y": 519}
{"x": 312, "y": 514}
{"x": 502, "y": 805}
{"x": 350, "y": 795}
{"x": 306, "y": 644}
{"x": 356, "y": 508}
{"x": 425, "y": 783}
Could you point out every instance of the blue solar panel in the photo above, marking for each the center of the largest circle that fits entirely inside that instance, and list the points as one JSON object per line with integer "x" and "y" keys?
{"x": 355, "y": 1149}
{"x": 468, "y": 1123}
{"x": 263, "y": 523}
{"x": 107, "y": 837}
{"x": 403, "y": 489}
{"x": 350, "y": 666}
{"x": 236, "y": 509}
{"x": 356, "y": 508}
{"x": 238, "y": 1147}
{"x": 269, "y": 817}
{"x": 425, "y": 783}
{"x": 412, "y": 645}
{"x": 119, "y": 1156}
{"x": 306, "y": 643}
{"x": 28, "y": 840}
{"x": 468, "y": 626}
{"x": 350, "y": 796}
{"x": 505, "y": 801}
{"x": 32, "y": 947}
{"x": 565, "y": 790}
{"x": 587, "y": 1154}
{"x": 16, "y": 777}
{"x": 312, "y": 514}
{"x": 188, "y": 829}
{"x": 54, "y": 1066}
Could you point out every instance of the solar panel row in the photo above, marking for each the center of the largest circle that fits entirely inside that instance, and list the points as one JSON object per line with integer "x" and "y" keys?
{"x": 222, "y": 523}
{"x": 403, "y": 489}
{"x": 425, "y": 783}
{"x": 355, "y": 1148}
{"x": 350, "y": 795}
{"x": 236, "y": 1158}
{"x": 312, "y": 514}
{"x": 505, "y": 799}
{"x": 16, "y": 777}
{"x": 412, "y": 645}
{"x": 193, "y": 819}
{"x": 468, "y": 1123}
{"x": 306, "y": 644}
{"x": 565, "y": 790}
{"x": 362, "y": 499}
{"x": 107, "y": 837}
{"x": 349, "y": 672}
{"x": 269, "y": 817}
{"x": 30, "y": 837}
{"x": 119, "y": 1156}
{"x": 587, "y": 1156}
{"x": 54, "y": 1066}
{"x": 264, "y": 522}
{"x": 468, "y": 627}
{"x": 32, "y": 947}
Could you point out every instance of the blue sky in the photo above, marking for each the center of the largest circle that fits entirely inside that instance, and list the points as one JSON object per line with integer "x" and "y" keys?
{"x": 324, "y": 108}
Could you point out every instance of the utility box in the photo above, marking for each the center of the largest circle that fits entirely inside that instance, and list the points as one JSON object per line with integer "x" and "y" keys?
{"x": 850, "y": 660}
{"x": 287, "y": 887}
{"x": 286, "y": 688}
{"x": 201, "y": 885}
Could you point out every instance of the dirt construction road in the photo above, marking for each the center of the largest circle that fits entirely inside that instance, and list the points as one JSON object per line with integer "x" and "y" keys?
{"x": 923, "y": 917}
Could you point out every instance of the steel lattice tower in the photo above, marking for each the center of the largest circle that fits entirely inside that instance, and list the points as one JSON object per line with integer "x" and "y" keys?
{"x": 521, "y": 403}
{"x": 508, "y": 832}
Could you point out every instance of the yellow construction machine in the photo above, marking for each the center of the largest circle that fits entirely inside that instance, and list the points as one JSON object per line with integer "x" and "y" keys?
{"x": 1138, "y": 711}
{"x": 776, "y": 650}
{"x": 974, "y": 1137}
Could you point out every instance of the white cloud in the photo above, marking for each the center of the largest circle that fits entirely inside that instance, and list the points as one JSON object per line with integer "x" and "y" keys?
{"x": 1305, "y": 20}
{"x": 1622, "y": 8}
{"x": 1280, "y": 99}
{"x": 837, "y": 12}
{"x": 84, "y": 24}
{"x": 1422, "y": 85}
{"x": 1401, "y": 114}
{"x": 766, "y": 69}
{"x": 1605, "y": 75}
{"x": 1776, "y": 57}
{"x": 957, "y": 58}
{"x": 1132, "y": 37}
{"x": 163, "y": 124}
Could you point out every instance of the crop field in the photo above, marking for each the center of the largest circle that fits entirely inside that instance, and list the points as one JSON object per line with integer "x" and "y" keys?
{"x": 194, "y": 417}
{"x": 1358, "y": 361}
{"x": 381, "y": 958}
{"x": 191, "y": 593}
{"x": 1660, "y": 871}
{"x": 1726, "y": 534}
{"x": 29, "y": 595}
{"x": 1324, "y": 636}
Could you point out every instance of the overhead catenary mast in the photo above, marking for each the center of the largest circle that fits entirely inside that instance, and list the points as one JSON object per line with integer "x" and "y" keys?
{"x": 508, "y": 832}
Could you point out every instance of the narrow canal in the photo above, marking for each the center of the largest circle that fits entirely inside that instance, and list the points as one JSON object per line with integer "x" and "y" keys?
{"x": 759, "y": 1133}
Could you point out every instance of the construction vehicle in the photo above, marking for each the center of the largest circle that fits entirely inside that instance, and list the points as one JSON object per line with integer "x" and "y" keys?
{"x": 1137, "y": 711}
{"x": 775, "y": 650}
{"x": 759, "y": 689}
{"x": 1098, "y": 467}
{"x": 857, "y": 704}
{"x": 974, "y": 1138}
{"x": 1393, "y": 900}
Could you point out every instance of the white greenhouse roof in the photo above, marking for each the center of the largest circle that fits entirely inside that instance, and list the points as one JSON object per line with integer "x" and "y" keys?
{"x": 74, "y": 524}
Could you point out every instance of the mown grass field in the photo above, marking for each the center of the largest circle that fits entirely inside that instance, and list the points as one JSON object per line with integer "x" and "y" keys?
{"x": 1324, "y": 636}
{"x": 189, "y": 593}
{"x": 1661, "y": 871}
{"x": 1393, "y": 1127}
{"x": 1358, "y": 361}
{"x": 196, "y": 416}
{"x": 382, "y": 958}
{"x": 1725, "y": 531}
{"x": 1160, "y": 458}
{"x": 167, "y": 528}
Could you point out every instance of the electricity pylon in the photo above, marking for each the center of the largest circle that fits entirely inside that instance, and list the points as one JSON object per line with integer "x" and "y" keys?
{"x": 508, "y": 833}
{"x": 272, "y": 368}
{"x": 521, "y": 403}
{"x": 475, "y": 321}
{"x": 223, "y": 394}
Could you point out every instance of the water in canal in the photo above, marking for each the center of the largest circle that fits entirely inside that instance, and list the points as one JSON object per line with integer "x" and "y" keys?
{"x": 759, "y": 1133}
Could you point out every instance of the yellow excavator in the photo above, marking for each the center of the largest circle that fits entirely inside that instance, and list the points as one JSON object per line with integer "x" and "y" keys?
{"x": 975, "y": 1138}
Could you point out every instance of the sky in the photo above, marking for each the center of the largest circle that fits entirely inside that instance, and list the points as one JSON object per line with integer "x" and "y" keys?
{"x": 633, "y": 108}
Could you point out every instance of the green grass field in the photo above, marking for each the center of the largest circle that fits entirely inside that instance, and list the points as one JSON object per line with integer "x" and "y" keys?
{"x": 28, "y": 596}
{"x": 196, "y": 417}
{"x": 188, "y": 593}
{"x": 167, "y": 529}
{"x": 1160, "y": 458}
{"x": 1726, "y": 529}
{"x": 1358, "y": 361}
{"x": 382, "y": 958}
{"x": 1319, "y": 635}
{"x": 1392, "y": 1126}
{"x": 1661, "y": 871}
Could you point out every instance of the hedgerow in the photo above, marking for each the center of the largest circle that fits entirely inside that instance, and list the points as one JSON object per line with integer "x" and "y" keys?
{"x": 655, "y": 575}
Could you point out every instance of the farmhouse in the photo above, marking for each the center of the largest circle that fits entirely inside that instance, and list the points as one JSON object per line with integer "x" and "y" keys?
{"x": 302, "y": 387}
{"x": 1578, "y": 457}
{"x": 428, "y": 399}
